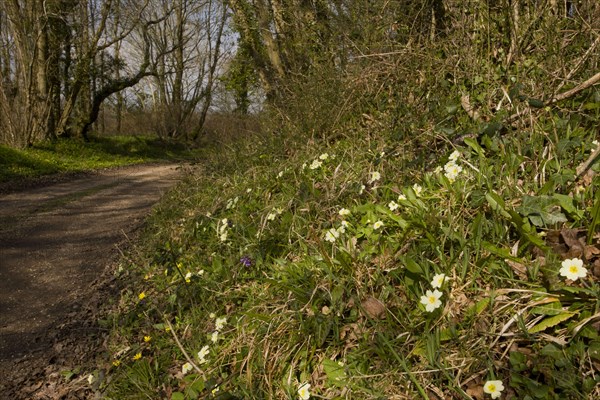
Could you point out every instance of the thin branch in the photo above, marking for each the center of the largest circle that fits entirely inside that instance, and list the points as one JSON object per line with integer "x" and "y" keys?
{"x": 185, "y": 354}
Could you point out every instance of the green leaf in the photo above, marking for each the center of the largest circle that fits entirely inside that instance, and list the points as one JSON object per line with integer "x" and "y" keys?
{"x": 336, "y": 375}
{"x": 552, "y": 308}
{"x": 177, "y": 396}
{"x": 551, "y": 321}
{"x": 536, "y": 103}
{"x": 497, "y": 204}
{"x": 541, "y": 210}
{"x": 475, "y": 146}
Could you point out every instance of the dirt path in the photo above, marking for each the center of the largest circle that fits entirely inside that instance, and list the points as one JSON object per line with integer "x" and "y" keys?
{"x": 56, "y": 243}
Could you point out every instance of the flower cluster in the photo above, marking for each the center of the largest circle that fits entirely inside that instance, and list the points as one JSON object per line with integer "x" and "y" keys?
{"x": 273, "y": 214}
{"x": 452, "y": 169}
{"x": 333, "y": 233}
{"x": 231, "y": 203}
{"x": 431, "y": 300}
{"x": 223, "y": 229}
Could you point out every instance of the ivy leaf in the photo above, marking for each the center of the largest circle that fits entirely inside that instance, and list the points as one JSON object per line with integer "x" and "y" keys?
{"x": 336, "y": 376}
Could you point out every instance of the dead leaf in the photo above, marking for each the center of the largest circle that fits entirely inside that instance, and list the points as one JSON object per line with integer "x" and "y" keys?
{"x": 518, "y": 268}
{"x": 476, "y": 391}
{"x": 373, "y": 308}
{"x": 569, "y": 236}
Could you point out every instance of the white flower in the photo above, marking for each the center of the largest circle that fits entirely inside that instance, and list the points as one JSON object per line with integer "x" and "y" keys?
{"x": 431, "y": 300}
{"x": 220, "y": 323}
{"x": 315, "y": 164}
{"x": 200, "y": 273}
{"x": 493, "y": 388}
{"x": 303, "y": 391}
{"x": 280, "y": 174}
{"x": 332, "y": 235}
{"x": 438, "y": 281}
{"x": 91, "y": 378}
{"x": 326, "y": 310}
{"x": 344, "y": 211}
{"x": 401, "y": 197}
{"x": 223, "y": 237}
{"x": 573, "y": 269}
{"x": 455, "y": 155}
{"x": 375, "y": 176}
{"x": 595, "y": 143}
{"x": 188, "y": 277}
{"x": 185, "y": 368}
{"x": 211, "y": 315}
{"x": 214, "y": 337}
{"x": 202, "y": 354}
{"x": 377, "y": 225}
{"x": 324, "y": 156}
{"x": 393, "y": 205}
{"x": 248, "y": 190}
{"x": 342, "y": 227}
{"x": 437, "y": 170}
{"x": 271, "y": 216}
{"x": 417, "y": 189}
{"x": 452, "y": 171}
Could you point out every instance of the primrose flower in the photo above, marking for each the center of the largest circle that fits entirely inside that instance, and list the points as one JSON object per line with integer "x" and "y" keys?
{"x": 188, "y": 277}
{"x": 431, "y": 300}
{"x": 452, "y": 171}
{"x": 454, "y": 156}
{"x": 393, "y": 206}
{"x": 214, "y": 337}
{"x": 220, "y": 323}
{"x": 223, "y": 237}
{"x": 315, "y": 164}
{"x": 377, "y": 225}
{"x": 324, "y": 156}
{"x": 331, "y": 235}
{"x": 493, "y": 388}
{"x": 202, "y": 354}
{"x": 303, "y": 391}
{"x": 401, "y": 197}
{"x": 91, "y": 378}
{"x": 438, "y": 281}
{"x": 271, "y": 216}
{"x": 342, "y": 227}
{"x": 185, "y": 368}
{"x": 417, "y": 189}
{"x": 344, "y": 211}
{"x": 375, "y": 176}
{"x": 573, "y": 269}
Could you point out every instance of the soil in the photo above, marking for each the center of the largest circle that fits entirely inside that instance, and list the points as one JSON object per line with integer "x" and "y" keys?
{"x": 59, "y": 244}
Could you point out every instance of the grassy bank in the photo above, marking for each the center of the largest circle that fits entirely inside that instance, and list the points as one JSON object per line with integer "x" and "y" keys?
{"x": 67, "y": 155}
{"x": 370, "y": 269}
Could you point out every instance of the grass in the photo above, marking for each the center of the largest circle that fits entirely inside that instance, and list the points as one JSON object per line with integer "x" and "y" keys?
{"x": 67, "y": 155}
{"x": 258, "y": 238}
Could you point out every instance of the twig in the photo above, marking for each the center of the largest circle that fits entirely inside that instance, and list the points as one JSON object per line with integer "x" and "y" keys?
{"x": 579, "y": 63}
{"x": 588, "y": 163}
{"x": 185, "y": 354}
{"x": 582, "y": 86}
